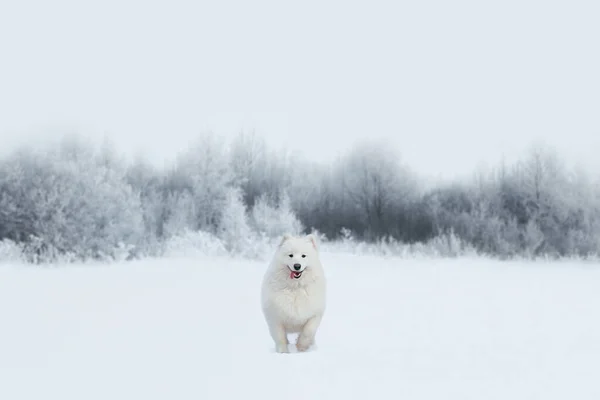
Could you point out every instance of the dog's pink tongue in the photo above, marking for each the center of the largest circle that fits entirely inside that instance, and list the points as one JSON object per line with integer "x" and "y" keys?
{"x": 292, "y": 273}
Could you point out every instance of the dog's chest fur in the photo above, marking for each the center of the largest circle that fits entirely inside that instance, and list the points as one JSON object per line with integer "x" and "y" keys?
{"x": 293, "y": 306}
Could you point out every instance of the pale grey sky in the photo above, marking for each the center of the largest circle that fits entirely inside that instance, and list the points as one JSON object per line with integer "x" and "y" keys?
{"x": 453, "y": 84}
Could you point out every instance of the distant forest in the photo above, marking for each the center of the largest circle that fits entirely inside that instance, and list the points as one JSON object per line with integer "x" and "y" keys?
{"x": 71, "y": 197}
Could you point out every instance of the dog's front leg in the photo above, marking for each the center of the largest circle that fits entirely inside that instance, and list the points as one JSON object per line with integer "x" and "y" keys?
{"x": 307, "y": 336}
{"x": 279, "y": 337}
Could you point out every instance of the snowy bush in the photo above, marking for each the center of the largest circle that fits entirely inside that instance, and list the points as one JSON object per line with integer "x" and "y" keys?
{"x": 274, "y": 221}
{"x": 11, "y": 252}
{"x": 450, "y": 245}
{"x": 443, "y": 246}
{"x": 194, "y": 243}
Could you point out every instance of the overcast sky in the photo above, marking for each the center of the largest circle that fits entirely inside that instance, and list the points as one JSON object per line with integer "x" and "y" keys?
{"x": 453, "y": 84}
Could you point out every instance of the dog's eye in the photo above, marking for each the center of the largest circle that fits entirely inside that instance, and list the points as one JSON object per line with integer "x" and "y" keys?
{"x": 303, "y": 255}
{"x": 291, "y": 255}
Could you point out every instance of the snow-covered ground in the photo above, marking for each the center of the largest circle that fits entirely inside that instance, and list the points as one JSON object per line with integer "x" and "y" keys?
{"x": 394, "y": 329}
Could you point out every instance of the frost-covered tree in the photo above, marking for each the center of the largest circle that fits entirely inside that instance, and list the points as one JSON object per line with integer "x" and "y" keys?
{"x": 316, "y": 197}
{"x": 147, "y": 180}
{"x": 206, "y": 170}
{"x": 249, "y": 164}
{"x": 258, "y": 170}
{"x": 178, "y": 213}
{"x": 71, "y": 203}
{"x": 378, "y": 185}
{"x": 548, "y": 194}
{"x": 274, "y": 220}
{"x": 234, "y": 229}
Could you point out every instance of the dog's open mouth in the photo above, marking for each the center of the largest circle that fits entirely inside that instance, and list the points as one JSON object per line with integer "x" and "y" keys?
{"x": 295, "y": 274}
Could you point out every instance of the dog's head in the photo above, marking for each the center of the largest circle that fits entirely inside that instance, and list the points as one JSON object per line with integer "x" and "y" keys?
{"x": 297, "y": 254}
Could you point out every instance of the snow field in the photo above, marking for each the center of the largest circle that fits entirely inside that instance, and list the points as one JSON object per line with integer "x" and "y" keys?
{"x": 193, "y": 329}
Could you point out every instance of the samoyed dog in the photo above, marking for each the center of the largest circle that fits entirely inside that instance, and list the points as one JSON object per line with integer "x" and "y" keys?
{"x": 293, "y": 292}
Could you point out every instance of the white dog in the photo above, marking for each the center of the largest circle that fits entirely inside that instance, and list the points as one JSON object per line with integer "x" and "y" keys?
{"x": 293, "y": 292}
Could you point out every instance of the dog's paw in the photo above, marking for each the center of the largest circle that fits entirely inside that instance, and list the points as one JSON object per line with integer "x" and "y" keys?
{"x": 303, "y": 344}
{"x": 282, "y": 348}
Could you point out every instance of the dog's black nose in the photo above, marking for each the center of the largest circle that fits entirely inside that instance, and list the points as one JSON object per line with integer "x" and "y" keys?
{"x": 297, "y": 267}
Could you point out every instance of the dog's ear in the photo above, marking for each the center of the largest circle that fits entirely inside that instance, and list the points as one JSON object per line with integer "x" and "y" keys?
{"x": 285, "y": 238}
{"x": 313, "y": 240}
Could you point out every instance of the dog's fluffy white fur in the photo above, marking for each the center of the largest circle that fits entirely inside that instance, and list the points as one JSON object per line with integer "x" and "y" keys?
{"x": 293, "y": 292}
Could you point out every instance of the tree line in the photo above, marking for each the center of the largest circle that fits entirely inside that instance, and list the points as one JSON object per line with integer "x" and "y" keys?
{"x": 71, "y": 197}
